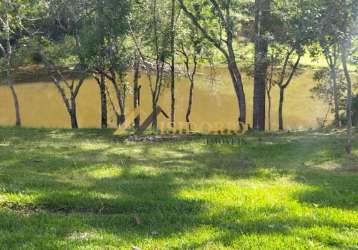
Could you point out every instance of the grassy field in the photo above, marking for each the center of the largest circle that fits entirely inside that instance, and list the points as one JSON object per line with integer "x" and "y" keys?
{"x": 85, "y": 189}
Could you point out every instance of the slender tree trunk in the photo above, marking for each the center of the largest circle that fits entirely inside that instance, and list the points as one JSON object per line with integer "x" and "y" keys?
{"x": 262, "y": 9}
{"x": 136, "y": 90}
{"x": 16, "y": 105}
{"x": 237, "y": 80}
{"x": 332, "y": 63}
{"x": 190, "y": 102}
{"x": 280, "y": 109}
{"x": 172, "y": 73}
{"x": 103, "y": 95}
{"x": 74, "y": 123}
{"x": 269, "y": 110}
{"x": 9, "y": 80}
{"x": 333, "y": 73}
{"x": 349, "y": 98}
{"x": 122, "y": 115}
{"x": 154, "y": 115}
{"x": 73, "y": 113}
{"x": 239, "y": 90}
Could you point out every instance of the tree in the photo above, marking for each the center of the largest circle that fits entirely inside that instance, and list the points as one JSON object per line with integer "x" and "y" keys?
{"x": 327, "y": 24}
{"x": 172, "y": 64}
{"x": 324, "y": 89}
{"x": 281, "y": 48}
{"x": 291, "y": 33}
{"x": 11, "y": 26}
{"x": 153, "y": 46}
{"x": 191, "y": 47}
{"x": 349, "y": 33}
{"x": 216, "y": 21}
{"x": 103, "y": 52}
{"x": 63, "y": 48}
{"x": 262, "y": 22}
{"x": 285, "y": 79}
{"x": 273, "y": 61}
{"x": 64, "y": 86}
{"x": 344, "y": 47}
{"x": 120, "y": 63}
{"x": 136, "y": 87}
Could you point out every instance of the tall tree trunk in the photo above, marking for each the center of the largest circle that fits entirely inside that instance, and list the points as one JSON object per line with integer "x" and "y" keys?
{"x": 136, "y": 91}
{"x": 74, "y": 123}
{"x": 269, "y": 108}
{"x": 122, "y": 115}
{"x": 73, "y": 113}
{"x": 154, "y": 115}
{"x": 236, "y": 79}
{"x": 349, "y": 97}
{"x": 9, "y": 80}
{"x": 280, "y": 108}
{"x": 172, "y": 73}
{"x": 16, "y": 105}
{"x": 333, "y": 73}
{"x": 331, "y": 59}
{"x": 262, "y": 11}
{"x": 103, "y": 95}
{"x": 239, "y": 89}
{"x": 190, "y": 102}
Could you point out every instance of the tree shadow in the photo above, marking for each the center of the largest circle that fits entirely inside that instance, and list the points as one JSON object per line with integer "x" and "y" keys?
{"x": 329, "y": 188}
{"x": 149, "y": 182}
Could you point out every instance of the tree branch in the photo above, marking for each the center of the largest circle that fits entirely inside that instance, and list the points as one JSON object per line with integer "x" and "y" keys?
{"x": 195, "y": 21}
{"x": 292, "y": 72}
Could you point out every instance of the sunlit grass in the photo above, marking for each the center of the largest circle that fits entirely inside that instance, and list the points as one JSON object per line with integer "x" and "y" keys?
{"x": 62, "y": 189}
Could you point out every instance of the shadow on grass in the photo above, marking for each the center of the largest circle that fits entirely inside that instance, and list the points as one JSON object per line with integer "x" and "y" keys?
{"x": 48, "y": 176}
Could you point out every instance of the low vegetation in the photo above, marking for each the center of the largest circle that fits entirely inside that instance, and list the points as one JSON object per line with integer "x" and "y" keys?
{"x": 86, "y": 189}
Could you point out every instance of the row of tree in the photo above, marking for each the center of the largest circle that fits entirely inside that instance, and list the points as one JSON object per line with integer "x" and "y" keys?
{"x": 106, "y": 39}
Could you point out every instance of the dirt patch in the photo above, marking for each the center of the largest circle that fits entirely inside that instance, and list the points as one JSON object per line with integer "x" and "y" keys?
{"x": 31, "y": 208}
{"x": 160, "y": 138}
{"x": 351, "y": 164}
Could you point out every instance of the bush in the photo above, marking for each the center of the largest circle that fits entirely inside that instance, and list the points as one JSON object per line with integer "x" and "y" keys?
{"x": 343, "y": 117}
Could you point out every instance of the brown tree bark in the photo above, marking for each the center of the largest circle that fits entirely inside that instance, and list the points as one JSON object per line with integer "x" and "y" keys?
{"x": 237, "y": 81}
{"x": 349, "y": 97}
{"x": 172, "y": 70}
{"x": 269, "y": 108}
{"x": 190, "y": 102}
{"x": 333, "y": 73}
{"x": 262, "y": 12}
{"x": 331, "y": 59}
{"x": 280, "y": 108}
{"x": 269, "y": 85}
{"x": 103, "y": 96}
{"x": 73, "y": 113}
{"x": 16, "y": 104}
{"x": 136, "y": 90}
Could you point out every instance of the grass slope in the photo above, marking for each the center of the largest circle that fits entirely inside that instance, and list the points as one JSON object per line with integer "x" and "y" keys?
{"x": 63, "y": 189}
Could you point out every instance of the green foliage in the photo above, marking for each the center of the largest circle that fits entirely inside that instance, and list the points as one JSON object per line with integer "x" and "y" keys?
{"x": 343, "y": 117}
{"x": 323, "y": 88}
{"x": 104, "y": 33}
{"x": 17, "y": 16}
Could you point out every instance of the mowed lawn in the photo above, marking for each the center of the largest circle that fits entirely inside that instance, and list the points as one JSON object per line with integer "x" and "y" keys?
{"x": 87, "y": 189}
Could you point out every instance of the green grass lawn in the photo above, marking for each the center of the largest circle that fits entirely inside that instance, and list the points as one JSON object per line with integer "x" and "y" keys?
{"x": 85, "y": 189}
